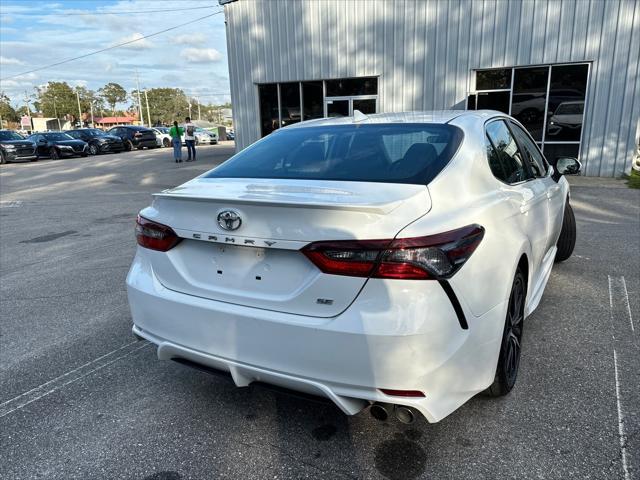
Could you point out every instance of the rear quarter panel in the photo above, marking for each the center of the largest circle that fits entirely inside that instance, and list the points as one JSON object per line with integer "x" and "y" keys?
{"x": 466, "y": 193}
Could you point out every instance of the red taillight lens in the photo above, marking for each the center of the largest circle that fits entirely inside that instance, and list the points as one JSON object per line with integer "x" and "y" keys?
{"x": 155, "y": 236}
{"x": 433, "y": 256}
{"x": 402, "y": 393}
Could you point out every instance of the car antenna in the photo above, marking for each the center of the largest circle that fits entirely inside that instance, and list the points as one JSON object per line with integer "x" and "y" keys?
{"x": 358, "y": 116}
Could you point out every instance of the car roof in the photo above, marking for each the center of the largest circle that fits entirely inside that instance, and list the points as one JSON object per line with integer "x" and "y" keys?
{"x": 434, "y": 116}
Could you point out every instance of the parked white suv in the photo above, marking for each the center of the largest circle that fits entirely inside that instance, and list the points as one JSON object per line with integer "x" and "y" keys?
{"x": 385, "y": 261}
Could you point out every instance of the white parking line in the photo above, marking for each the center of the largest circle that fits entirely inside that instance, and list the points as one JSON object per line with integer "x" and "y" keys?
{"x": 24, "y": 399}
{"x": 621, "y": 432}
{"x": 622, "y": 436}
{"x": 626, "y": 300}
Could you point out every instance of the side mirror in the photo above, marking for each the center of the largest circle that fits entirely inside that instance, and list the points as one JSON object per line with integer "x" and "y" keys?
{"x": 568, "y": 166}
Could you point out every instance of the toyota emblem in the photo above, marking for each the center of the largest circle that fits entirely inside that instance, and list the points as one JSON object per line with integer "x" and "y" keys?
{"x": 229, "y": 220}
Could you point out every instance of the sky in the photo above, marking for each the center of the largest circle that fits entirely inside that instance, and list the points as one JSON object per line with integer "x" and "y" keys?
{"x": 35, "y": 33}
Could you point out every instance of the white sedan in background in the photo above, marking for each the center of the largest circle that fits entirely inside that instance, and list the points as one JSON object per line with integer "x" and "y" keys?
{"x": 386, "y": 261}
{"x": 163, "y": 138}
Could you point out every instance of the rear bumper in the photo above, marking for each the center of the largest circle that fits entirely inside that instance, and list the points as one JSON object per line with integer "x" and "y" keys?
{"x": 150, "y": 143}
{"x": 400, "y": 335}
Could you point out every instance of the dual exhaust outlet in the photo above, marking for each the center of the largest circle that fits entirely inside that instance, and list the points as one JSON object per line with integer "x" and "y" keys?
{"x": 381, "y": 411}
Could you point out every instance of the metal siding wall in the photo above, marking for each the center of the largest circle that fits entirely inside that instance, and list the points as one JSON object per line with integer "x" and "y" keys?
{"x": 424, "y": 50}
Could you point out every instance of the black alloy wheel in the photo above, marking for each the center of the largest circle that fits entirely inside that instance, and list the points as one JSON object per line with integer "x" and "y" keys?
{"x": 93, "y": 149}
{"x": 166, "y": 142}
{"x": 128, "y": 146}
{"x": 509, "y": 359}
{"x": 53, "y": 153}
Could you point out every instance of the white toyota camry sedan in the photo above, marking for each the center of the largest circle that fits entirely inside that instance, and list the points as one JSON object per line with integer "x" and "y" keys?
{"x": 385, "y": 261}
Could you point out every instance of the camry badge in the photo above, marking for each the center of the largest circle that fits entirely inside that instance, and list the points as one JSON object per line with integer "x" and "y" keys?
{"x": 229, "y": 220}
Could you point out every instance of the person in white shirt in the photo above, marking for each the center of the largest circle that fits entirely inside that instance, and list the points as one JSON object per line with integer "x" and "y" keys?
{"x": 190, "y": 139}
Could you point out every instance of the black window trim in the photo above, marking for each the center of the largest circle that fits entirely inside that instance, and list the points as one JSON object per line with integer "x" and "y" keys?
{"x": 511, "y": 121}
{"x": 506, "y": 120}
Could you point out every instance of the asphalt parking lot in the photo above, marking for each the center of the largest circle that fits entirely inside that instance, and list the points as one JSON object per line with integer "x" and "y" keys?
{"x": 80, "y": 399}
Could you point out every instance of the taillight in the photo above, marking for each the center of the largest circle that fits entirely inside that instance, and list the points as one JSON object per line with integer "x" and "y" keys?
{"x": 137, "y": 134}
{"x": 420, "y": 258}
{"x": 155, "y": 236}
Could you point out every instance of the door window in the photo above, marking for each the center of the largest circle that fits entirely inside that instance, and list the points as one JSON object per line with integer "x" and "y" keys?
{"x": 508, "y": 152}
{"x": 533, "y": 156}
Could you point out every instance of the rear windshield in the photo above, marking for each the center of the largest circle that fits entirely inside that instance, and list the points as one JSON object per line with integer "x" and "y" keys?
{"x": 391, "y": 153}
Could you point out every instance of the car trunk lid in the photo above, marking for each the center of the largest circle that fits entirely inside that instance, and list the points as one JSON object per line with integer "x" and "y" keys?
{"x": 259, "y": 263}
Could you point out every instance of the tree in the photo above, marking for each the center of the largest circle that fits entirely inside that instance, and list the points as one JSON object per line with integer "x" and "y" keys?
{"x": 165, "y": 104}
{"x": 113, "y": 93}
{"x": 7, "y": 112}
{"x": 57, "y": 98}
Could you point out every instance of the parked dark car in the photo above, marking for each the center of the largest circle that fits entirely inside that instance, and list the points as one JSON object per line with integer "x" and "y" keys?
{"x": 14, "y": 148}
{"x": 58, "y": 145}
{"x": 98, "y": 140}
{"x": 134, "y": 136}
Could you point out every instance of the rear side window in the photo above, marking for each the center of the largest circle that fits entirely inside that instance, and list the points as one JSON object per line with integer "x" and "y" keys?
{"x": 532, "y": 154}
{"x": 508, "y": 153}
{"x": 390, "y": 153}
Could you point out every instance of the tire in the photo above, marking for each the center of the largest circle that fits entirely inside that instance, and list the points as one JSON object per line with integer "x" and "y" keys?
{"x": 166, "y": 142}
{"x": 128, "y": 146}
{"x": 93, "y": 149}
{"x": 84, "y": 154}
{"x": 53, "y": 153}
{"x": 511, "y": 345}
{"x": 567, "y": 240}
{"x": 3, "y": 160}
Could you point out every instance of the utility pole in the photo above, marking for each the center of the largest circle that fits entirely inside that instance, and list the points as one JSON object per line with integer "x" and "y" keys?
{"x": 55, "y": 112}
{"x": 93, "y": 125}
{"x": 79, "y": 109}
{"x": 146, "y": 100}
{"x": 139, "y": 101}
{"x": 198, "y": 100}
{"x": 189, "y": 102}
{"x": 26, "y": 102}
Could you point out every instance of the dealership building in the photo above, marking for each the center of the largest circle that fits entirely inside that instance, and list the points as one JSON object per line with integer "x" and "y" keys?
{"x": 567, "y": 70}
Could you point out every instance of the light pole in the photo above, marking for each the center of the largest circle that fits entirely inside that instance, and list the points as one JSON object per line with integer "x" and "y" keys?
{"x": 55, "y": 112}
{"x": 79, "y": 109}
{"x": 146, "y": 100}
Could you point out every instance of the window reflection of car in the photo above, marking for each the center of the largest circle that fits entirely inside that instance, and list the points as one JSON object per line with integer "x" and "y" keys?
{"x": 567, "y": 116}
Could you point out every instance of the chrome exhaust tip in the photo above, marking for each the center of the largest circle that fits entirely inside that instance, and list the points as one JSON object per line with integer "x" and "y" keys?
{"x": 404, "y": 414}
{"x": 379, "y": 412}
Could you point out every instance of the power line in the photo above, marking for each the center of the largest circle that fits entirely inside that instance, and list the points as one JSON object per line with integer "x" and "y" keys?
{"x": 110, "y": 48}
{"x": 99, "y": 12}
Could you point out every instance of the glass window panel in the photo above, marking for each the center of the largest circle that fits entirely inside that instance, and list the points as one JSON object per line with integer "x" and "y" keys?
{"x": 529, "y": 97}
{"x": 508, "y": 150}
{"x": 532, "y": 154}
{"x": 471, "y": 102}
{"x": 566, "y": 102}
{"x": 391, "y": 153}
{"x": 493, "y": 101}
{"x": 312, "y": 101}
{"x": 352, "y": 86}
{"x": 554, "y": 151}
{"x": 290, "y": 103}
{"x": 337, "y": 108}
{"x": 268, "y": 95}
{"x": 366, "y": 106}
{"x": 493, "y": 79}
{"x": 494, "y": 161}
